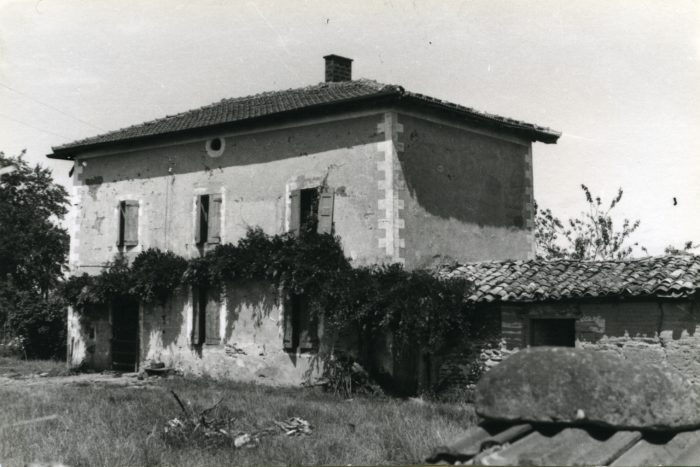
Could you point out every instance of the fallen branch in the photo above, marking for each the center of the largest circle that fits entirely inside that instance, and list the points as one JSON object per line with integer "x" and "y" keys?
{"x": 182, "y": 406}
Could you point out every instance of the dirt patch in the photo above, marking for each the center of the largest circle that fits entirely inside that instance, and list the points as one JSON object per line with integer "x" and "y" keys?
{"x": 84, "y": 379}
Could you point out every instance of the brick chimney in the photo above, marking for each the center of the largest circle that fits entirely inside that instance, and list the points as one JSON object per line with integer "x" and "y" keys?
{"x": 338, "y": 68}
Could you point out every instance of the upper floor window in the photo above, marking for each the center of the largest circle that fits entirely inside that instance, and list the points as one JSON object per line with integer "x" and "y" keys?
{"x": 128, "y": 223}
{"x": 311, "y": 210}
{"x": 208, "y": 229}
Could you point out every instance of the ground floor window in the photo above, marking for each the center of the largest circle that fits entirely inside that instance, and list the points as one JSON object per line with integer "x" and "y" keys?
{"x": 300, "y": 325}
{"x": 554, "y": 332}
{"x": 205, "y": 326}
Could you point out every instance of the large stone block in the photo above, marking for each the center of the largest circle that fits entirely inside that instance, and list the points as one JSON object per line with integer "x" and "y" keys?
{"x": 585, "y": 387}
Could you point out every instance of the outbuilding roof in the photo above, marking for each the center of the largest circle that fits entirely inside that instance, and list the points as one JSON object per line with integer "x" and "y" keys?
{"x": 541, "y": 280}
{"x": 289, "y": 102}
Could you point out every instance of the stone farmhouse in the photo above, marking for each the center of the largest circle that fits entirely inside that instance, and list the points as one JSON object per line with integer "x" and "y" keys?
{"x": 398, "y": 176}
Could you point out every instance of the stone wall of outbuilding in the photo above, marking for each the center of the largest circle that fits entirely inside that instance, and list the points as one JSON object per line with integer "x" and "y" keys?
{"x": 661, "y": 331}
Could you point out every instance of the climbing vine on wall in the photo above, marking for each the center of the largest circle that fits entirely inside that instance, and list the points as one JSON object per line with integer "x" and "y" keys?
{"x": 415, "y": 306}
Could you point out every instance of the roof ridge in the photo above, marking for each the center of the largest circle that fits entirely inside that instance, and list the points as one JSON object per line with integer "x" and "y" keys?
{"x": 569, "y": 260}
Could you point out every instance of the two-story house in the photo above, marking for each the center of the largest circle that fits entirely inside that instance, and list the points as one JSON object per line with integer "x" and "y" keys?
{"x": 406, "y": 178}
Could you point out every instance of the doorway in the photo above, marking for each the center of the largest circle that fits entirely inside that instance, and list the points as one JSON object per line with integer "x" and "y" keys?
{"x": 125, "y": 334}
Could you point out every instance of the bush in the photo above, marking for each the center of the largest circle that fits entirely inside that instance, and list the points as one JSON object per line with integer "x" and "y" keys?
{"x": 39, "y": 324}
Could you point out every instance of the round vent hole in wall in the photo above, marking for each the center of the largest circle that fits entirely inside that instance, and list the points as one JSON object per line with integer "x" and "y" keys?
{"x": 215, "y": 147}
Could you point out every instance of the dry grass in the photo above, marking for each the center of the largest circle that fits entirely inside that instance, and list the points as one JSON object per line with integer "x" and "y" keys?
{"x": 105, "y": 425}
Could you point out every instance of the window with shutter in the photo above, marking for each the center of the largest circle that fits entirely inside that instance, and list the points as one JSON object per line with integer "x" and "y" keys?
{"x": 128, "y": 223}
{"x": 311, "y": 211}
{"x": 205, "y": 316}
{"x": 208, "y": 223}
{"x": 308, "y": 326}
{"x": 300, "y": 326}
{"x": 202, "y": 229}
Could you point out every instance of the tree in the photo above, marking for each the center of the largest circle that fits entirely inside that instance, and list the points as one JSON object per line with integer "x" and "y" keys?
{"x": 33, "y": 254}
{"x": 591, "y": 236}
{"x": 33, "y": 247}
{"x": 688, "y": 248}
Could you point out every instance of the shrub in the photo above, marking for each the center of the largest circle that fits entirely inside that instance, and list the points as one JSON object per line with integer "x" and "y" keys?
{"x": 40, "y": 325}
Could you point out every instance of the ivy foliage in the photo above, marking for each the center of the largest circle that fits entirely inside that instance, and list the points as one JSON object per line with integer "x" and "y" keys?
{"x": 367, "y": 301}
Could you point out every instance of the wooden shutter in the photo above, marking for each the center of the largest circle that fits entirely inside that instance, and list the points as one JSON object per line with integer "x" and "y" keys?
{"x": 288, "y": 342}
{"x": 196, "y": 305}
{"x": 214, "y": 224}
{"x": 325, "y": 211}
{"x": 295, "y": 215}
{"x": 131, "y": 222}
{"x": 212, "y": 322}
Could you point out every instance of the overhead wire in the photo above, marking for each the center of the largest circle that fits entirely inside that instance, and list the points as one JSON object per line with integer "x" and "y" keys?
{"x": 32, "y": 126}
{"x": 49, "y": 106}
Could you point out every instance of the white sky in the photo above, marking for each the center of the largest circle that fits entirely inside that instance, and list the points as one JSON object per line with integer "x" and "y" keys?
{"x": 621, "y": 79}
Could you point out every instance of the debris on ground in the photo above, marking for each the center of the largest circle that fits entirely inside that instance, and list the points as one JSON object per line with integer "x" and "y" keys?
{"x": 157, "y": 369}
{"x": 295, "y": 426}
{"x": 344, "y": 376}
{"x": 218, "y": 426}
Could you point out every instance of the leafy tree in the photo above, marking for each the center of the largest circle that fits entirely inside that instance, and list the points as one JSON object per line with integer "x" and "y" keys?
{"x": 33, "y": 253}
{"x": 591, "y": 236}
{"x": 33, "y": 248}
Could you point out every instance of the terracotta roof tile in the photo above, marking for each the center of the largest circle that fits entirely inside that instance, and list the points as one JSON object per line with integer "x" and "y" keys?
{"x": 527, "y": 281}
{"x": 276, "y": 102}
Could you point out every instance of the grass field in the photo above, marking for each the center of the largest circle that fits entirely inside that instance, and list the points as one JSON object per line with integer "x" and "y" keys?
{"x": 114, "y": 424}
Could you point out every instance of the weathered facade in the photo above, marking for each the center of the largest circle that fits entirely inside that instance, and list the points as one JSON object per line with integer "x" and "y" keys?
{"x": 645, "y": 309}
{"x": 400, "y": 177}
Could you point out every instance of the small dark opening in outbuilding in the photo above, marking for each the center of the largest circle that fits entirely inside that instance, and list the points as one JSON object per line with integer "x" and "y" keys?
{"x": 554, "y": 332}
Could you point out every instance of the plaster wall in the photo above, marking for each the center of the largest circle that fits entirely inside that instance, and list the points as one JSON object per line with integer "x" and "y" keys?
{"x": 255, "y": 175}
{"x": 89, "y": 338}
{"x": 664, "y": 331}
{"x": 250, "y": 332}
{"x": 465, "y": 194}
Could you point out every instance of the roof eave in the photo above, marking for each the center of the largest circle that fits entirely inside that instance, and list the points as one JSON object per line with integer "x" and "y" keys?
{"x": 393, "y": 94}
{"x": 70, "y": 152}
{"x": 544, "y": 135}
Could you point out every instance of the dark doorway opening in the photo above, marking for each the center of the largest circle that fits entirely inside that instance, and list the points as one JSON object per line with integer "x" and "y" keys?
{"x": 554, "y": 332}
{"x": 125, "y": 334}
